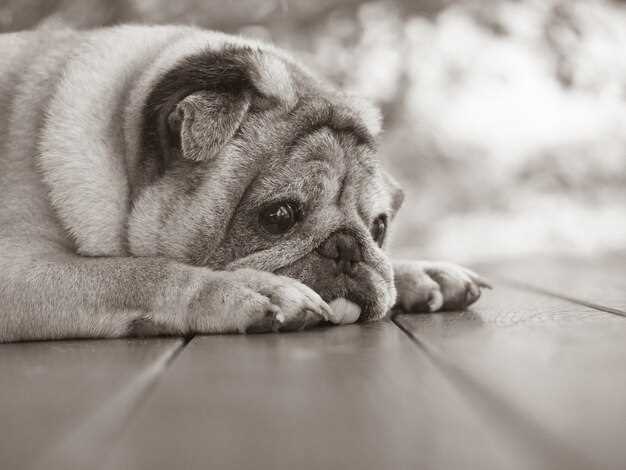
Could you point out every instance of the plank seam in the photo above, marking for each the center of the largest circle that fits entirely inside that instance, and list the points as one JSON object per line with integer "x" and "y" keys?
{"x": 82, "y": 446}
{"x": 557, "y": 454}
{"x": 148, "y": 389}
{"x": 551, "y": 293}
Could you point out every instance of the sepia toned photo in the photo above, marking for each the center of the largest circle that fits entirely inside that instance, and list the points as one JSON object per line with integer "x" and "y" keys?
{"x": 334, "y": 234}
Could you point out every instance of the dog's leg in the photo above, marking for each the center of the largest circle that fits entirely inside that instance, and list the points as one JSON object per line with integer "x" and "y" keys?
{"x": 63, "y": 295}
{"x": 427, "y": 286}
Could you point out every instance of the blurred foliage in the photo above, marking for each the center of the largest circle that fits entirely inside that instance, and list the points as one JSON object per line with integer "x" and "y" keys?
{"x": 504, "y": 119}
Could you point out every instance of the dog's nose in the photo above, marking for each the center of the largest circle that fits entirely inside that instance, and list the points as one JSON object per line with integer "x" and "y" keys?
{"x": 343, "y": 248}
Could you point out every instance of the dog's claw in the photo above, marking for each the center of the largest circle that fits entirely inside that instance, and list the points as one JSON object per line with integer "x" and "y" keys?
{"x": 479, "y": 280}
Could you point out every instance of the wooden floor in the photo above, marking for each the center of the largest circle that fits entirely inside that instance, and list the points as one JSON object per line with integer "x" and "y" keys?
{"x": 531, "y": 377}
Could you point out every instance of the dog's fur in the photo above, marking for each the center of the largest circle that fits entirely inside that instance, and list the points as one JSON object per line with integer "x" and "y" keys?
{"x": 134, "y": 162}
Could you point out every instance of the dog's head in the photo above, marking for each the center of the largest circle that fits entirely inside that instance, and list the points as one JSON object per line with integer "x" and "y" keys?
{"x": 248, "y": 160}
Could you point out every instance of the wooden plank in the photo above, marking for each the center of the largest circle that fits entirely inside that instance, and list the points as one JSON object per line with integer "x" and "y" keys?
{"x": 351, "y": 397}
{"x": 598, "y": 282}
{"x": 549, "y": 373}
{"x": 63, "y": 402}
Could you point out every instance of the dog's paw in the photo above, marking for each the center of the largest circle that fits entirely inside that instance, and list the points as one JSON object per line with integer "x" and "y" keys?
{"x": 251, "y": 301}
{"x": 425, "y": 286}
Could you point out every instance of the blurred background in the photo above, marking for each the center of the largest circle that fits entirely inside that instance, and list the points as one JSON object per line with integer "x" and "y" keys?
{"x": 505, "y": 120}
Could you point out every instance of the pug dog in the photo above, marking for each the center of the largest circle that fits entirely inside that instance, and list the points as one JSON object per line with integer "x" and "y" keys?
{"x": 173, "y": 181}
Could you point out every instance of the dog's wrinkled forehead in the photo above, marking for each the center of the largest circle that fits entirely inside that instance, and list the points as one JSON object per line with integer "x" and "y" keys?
{"x": 320, "y": 149}
{"x": 304, "y": 93}
{"x": 305, "y": 104}
{"x": 310, "y": 120}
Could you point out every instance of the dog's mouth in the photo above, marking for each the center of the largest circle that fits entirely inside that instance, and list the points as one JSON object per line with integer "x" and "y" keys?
{"x": 354, "y": 299}
{"x": 360, "y": 296}
{"x": 364, "y": 293}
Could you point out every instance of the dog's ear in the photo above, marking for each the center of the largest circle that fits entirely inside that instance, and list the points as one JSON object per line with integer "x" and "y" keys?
{"x": 206, "y": 99}
{"x": 203, "y": 122}
{"x": 395, "y": 192}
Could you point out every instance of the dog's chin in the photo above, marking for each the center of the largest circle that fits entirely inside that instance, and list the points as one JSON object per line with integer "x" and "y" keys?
{"x": 364, "y": 285}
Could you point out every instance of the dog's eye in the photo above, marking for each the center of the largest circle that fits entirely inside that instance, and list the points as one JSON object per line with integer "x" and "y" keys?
{"x": 379, "y": 229}
{"x": 279, "y": 217}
